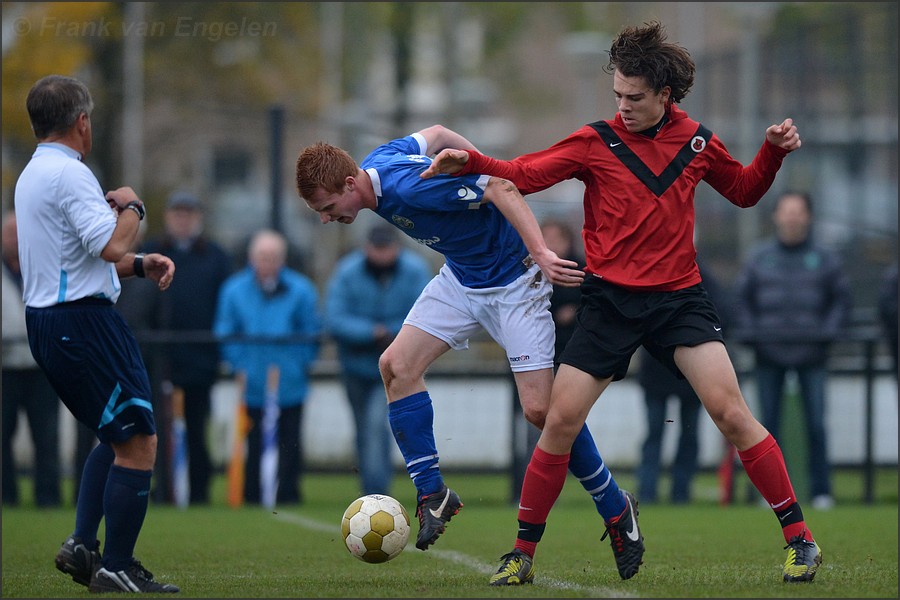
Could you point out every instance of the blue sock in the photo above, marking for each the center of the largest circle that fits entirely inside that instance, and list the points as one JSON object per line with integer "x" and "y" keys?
{"x": 412, "y": 422}
{"x": 586, "y": 465}
{"x": 89, "y": 508}
{"x": 125, "y": 506}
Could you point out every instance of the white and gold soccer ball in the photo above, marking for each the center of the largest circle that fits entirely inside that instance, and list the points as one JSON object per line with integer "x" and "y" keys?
{"x": 375, "y": 528}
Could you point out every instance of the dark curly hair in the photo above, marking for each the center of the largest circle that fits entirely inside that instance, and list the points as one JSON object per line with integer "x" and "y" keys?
{"x": 644, "y": 52}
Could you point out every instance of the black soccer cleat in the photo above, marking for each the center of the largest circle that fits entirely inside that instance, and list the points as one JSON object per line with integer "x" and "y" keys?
{"x": 434, "y": 512}
{"x": 76, "y": 559}
{"x": 626, "y": 539}
{"x": 135, "y": 579}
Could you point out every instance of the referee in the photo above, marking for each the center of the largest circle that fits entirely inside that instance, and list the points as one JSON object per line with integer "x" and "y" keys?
{"x": 74, "y": 245}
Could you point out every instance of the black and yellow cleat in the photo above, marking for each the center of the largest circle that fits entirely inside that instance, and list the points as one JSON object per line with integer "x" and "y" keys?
{"x": 517, "y": 568}
{"x": 803, "y": 560}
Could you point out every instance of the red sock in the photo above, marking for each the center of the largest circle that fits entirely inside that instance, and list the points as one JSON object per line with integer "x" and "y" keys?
{"x": 764, "y": 464}
{"x": 544, "y": 479}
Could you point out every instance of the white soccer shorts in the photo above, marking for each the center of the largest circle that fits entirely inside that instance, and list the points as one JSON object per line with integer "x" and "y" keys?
{"x": 516, "y": 316}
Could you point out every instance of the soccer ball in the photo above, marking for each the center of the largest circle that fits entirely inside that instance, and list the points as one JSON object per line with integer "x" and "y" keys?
{"x": 375, "y": 528}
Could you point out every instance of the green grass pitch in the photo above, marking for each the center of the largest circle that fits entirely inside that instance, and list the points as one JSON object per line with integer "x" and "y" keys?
{"x": 694, "y": 551}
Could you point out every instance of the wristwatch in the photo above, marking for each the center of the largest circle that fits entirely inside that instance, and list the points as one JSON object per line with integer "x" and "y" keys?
{"x": 137, "y": 206}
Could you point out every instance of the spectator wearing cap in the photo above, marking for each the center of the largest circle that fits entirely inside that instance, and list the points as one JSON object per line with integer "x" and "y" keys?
{"x": 367, "y": 298}
{"x": 188, "y": 362}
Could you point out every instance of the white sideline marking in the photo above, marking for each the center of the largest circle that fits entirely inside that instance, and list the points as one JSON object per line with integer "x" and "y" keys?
{"x": 461, "y": 559}
{"x": 306, "y": 522}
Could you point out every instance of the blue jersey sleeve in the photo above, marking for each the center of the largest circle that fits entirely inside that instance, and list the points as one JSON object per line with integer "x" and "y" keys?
{"x": 445, "y": 213}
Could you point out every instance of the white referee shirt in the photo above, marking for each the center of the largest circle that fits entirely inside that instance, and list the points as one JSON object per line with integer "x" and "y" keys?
{"x": 64, "y": 222}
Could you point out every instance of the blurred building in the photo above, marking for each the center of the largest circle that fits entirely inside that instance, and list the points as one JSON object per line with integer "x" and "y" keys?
{"x": 232, "y": 91}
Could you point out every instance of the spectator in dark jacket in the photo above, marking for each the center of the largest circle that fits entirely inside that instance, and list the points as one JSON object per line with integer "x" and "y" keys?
{"x": 25, "y": 387}
{"x": 190, "y": 364}
{"x": 561, "y": 238}
{"x": 793, "y": 301}
{"x": 659, "y": 384}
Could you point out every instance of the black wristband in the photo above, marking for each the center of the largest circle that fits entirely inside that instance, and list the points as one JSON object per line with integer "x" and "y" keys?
{"x": 139, "y": 265}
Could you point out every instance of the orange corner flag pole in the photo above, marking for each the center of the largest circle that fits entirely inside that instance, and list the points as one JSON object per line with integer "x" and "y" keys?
{"x": 238, "y": 449}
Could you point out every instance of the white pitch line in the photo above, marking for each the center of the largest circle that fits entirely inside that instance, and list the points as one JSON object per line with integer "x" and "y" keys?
{"x": 461, "y": 559}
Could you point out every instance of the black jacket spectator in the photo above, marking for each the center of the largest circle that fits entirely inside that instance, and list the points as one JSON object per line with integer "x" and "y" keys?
{"x": 796, "y": 292}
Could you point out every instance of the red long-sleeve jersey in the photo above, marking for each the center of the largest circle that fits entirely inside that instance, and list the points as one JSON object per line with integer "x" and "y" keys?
{"x": 639, "y": 193}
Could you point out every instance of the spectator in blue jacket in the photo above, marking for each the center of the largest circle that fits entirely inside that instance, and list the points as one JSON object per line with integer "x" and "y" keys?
{"x": 269, "y": 325}
{"x": 368, "y": 296}
{"x": 793, "y": 300}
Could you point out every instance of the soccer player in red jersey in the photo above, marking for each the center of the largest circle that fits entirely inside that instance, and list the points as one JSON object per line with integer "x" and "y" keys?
{"x": 640, "y": 171}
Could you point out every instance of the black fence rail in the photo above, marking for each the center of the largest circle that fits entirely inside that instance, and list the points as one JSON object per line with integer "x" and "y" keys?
{"x": 862, "y": 352}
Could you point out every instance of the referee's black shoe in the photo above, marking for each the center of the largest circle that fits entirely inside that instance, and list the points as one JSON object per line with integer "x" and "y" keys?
{"x": 75, "y": 558}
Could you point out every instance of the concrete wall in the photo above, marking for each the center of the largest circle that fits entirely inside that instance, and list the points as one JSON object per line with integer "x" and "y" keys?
{"x": 474, "y": 423}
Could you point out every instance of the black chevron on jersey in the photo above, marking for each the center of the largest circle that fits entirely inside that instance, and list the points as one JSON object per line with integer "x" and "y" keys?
{"x": 656, "y": 184}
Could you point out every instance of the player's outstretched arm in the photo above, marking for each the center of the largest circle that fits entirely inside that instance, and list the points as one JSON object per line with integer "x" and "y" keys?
{"x": 439, "y": 138}
{"x": 448, "y": 161}
{"x": 509, "y": 201}
{"x": 784, "y": 135}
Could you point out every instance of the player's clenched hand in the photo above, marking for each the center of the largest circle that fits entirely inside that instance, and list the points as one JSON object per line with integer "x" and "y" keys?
{"x": 160, "y": 269}
{"x": 559, "y": 270}
{"x": 447, "y": 161}
{"x": 784, "y": 135}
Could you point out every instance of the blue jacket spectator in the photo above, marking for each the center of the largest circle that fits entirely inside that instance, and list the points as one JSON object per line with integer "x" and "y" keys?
{"x": 352, "y": 311}
{"x": 276, "y": 309}
{"x": 369, "y": 295}
{"x": 287, "y": 310}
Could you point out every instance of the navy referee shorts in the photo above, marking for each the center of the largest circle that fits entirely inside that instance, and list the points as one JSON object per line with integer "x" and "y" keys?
{"x": 94, "y": 363}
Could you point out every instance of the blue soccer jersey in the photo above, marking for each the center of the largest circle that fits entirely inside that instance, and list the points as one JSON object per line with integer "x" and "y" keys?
{"x": 445, "y": 213}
